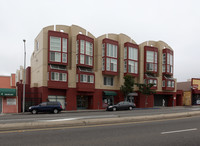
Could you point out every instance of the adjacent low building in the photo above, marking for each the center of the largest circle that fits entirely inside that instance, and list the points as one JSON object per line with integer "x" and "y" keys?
{"x": 8, "y": 99}
{"x": 72, "y": 66}
{"x": 191, "y": 91}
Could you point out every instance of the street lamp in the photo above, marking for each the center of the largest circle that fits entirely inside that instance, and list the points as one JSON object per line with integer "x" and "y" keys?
{"x": 24, "y": 75}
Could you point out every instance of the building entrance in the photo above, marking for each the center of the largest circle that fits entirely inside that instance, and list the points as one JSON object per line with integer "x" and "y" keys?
{"x": 82, "y": 102}
{"x": 161, "y": 100}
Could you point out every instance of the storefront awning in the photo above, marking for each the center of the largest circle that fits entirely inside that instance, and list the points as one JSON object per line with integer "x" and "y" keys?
{"x": 7, "y": 92}
{"x": 133, "y": 94}
{"x": 110, "y": 93}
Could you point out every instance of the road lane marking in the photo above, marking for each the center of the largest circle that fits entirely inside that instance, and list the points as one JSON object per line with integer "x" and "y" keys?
{"x": 79, "y": 118}
{"x": 84, "y": 126}
{"x": 177, "y": 131}
{"x": 57, "y": 120}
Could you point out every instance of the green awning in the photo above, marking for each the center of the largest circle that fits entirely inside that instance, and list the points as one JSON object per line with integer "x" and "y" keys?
{"x": 7, "y": 92}
{"x": 110, "y": 93}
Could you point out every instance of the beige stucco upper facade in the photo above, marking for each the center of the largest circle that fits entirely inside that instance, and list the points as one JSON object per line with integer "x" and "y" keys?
{"x": 39, "y": 58}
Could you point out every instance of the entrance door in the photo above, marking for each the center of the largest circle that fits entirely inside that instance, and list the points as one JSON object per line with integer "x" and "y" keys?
{"x": 82, "y": 102}
{"x": 0, "y": 105}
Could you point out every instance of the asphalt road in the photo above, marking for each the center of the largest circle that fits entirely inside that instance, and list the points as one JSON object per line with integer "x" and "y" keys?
{"x": 176, "y": 132}
{"x": 73, "y": 115}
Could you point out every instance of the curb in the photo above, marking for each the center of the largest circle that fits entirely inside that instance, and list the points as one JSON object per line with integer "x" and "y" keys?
{"x": 87, "y": 122}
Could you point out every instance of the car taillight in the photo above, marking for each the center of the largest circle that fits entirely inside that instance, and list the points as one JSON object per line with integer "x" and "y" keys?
{"x": 61, "y": 106}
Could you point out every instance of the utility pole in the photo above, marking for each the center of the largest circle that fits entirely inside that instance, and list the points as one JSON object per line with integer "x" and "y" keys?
{"x": 24, "y": 80}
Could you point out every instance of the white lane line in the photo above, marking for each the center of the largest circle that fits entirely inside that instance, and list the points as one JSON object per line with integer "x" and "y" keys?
{"x": 185, "y": 130}
{"x": 78, "y": 118}
{"x": 67, "y": 119}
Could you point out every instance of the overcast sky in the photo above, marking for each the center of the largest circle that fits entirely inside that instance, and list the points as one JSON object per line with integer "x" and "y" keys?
{"x": 176, "y": 22}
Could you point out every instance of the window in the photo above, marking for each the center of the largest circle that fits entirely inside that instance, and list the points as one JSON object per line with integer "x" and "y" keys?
{"x": 64, "y": 45}
{"x": 103, "y": 50}
{"x": 55, "y": 76}
{"x": 132, "y": 67}
{"x": 85, "y": 53}
{"x": 64, "y": 58}
{"x": 130, "y": 57}
{"x": 167, "y": 63}
{"x": 125, "y": 66}
{"x": 151, "y": 61}
{"x": 151, "y": 81}
{"x": 170, "y": 83}
{"x": 37, "y": 45}
{"x": 133, "y": 53}
{"x": 108, "y": 81}
{"x": 110, "y": 57}
{"x": 87, "y": 78}
{"x": 125, "y": 53}
{"x": 103, "y": 64}
{"x": 58, "y": 52}
{"x": 77, "y": 51}
{"x": 111, "y": 50}
{"x": 164, "y": 62}
{"x": 163, "y": 83}
{"x": 55, "y": 56}
{"x": 55, "y": 43}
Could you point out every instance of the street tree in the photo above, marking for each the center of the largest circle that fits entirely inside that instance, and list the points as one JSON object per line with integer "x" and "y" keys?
{"x": 146, "y": 90}
{"x": 128, "y": 85}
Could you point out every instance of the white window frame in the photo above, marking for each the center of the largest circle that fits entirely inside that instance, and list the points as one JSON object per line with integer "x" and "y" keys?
{"x": 55, "y": 43}
{"x": 108, "y": 81}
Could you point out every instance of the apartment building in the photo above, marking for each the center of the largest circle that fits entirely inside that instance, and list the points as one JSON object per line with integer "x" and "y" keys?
{"x": 72, "y": 66}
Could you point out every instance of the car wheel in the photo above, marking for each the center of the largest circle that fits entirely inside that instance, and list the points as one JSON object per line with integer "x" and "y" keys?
{"x": 130, "y": 108}
{"x": 114, "y": 108}
{"x": 34, "y": 111}
{"x": 55, "y": 111}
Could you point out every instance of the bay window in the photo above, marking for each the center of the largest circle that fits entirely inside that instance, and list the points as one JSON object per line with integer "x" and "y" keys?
{"x": 151, "y": 61}
{"x": 58, "y": 43}
{"x": 150, "y": 79}
{"x": 168, "y": 83}
{"x": 84, "y": 51}
{"x": 131, "y": 58}
{"x": 109, "y": 56}
{"x": 167, "y": 63}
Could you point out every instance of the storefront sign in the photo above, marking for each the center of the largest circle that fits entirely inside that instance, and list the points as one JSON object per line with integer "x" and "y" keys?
{"x": 196, "y": 84}
{"x": 11, "y": 101}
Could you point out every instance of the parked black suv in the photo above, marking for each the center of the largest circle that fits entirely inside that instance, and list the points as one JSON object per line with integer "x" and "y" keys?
{"x": 54, "y": 107}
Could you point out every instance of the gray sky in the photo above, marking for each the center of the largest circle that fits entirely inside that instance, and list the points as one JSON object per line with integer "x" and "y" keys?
{"x": 176, "y": 22}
